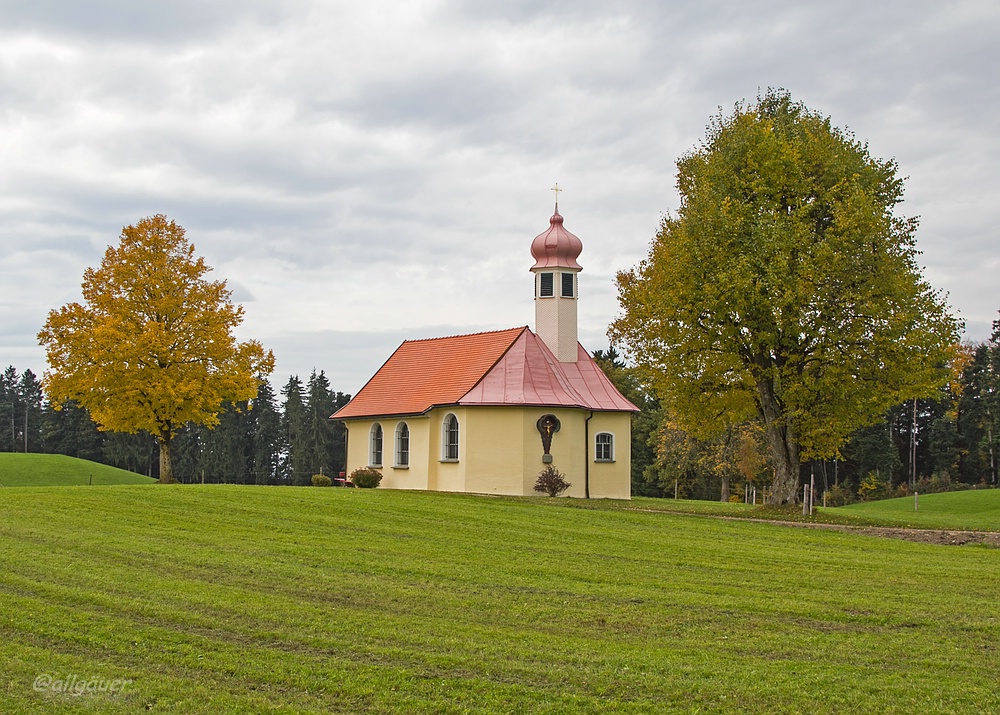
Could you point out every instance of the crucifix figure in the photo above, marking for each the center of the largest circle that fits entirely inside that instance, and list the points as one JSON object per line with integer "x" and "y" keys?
{"x": 547, "y": 426}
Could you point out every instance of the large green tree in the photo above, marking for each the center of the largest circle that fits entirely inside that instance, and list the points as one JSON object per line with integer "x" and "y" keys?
{"x": 152, "y": 346}
{"x": 785, "y": 288}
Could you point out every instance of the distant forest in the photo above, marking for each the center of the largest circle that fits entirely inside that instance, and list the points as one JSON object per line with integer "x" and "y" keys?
{"x": 942, "y": 443}
{"x": 263, "y": 441}
{"x": 931, "y": 444}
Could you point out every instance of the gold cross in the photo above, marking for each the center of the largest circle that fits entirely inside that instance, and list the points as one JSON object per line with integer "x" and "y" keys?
{"x": 557, "y": 190}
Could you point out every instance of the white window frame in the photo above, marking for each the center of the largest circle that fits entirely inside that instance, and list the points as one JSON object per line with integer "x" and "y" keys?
{"x": 609, "y": 445}
{"x": 376, "y": 445}
{"x": 401, "y": 449}
{"x": 552, "y": 278}
{"x": 572, "y": 284}
{"x": 449, "y": 449}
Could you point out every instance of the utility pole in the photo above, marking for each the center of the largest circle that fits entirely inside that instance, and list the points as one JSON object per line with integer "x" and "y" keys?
{"x": 993, "y": 463}
{"x": 913, "y": 447}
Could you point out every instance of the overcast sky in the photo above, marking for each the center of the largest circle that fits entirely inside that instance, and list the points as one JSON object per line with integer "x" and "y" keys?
{"x": 362, "y": 173}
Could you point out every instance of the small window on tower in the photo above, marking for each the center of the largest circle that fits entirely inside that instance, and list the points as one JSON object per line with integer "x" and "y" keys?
{"x": 546, "y": 287}
{"x": 567, "y": 285}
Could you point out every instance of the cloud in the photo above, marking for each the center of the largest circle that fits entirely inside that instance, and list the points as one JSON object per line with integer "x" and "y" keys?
{"x": 358, "y": 171}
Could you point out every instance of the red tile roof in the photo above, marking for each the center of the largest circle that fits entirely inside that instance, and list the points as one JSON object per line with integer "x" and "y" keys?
{"x": 424, "y": 373}
{"x": 506, "y": 367}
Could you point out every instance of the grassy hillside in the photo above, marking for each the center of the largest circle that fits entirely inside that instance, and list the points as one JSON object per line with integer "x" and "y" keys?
{"x": 977, "y": 509}
{"x": 46, "y": 470}
{"x": 214, "y": 599}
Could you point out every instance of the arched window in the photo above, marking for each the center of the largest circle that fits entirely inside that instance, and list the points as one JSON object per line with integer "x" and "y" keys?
{"x": 449, "y": 438}
{"x": 375, "y": 446}
{"x": 402, "y": 445}
{"x": 604, "y": 447}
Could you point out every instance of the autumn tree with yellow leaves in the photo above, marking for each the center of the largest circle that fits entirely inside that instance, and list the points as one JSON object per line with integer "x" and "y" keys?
{"x": 151, "y": 348}
{"x": 785, "y": 289}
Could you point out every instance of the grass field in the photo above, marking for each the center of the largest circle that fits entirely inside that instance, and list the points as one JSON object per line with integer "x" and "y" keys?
{"x": 57, "y": 470}
{"x": 976, "y": 509}
{"x": 215, "y": 599}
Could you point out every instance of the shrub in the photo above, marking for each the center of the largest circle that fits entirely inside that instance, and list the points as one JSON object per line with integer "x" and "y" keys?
{"x": 939, "y": 482}
{"x": 321, "y": 480}
{"x": 839, "y": 496}
{"x": 366, "y": 478}
{"x": 870, "y": 487}
{"x": 552, "y": 482}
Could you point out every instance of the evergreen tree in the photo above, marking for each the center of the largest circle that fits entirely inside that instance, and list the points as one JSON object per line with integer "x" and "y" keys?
{"x": 324, "y": 438}
{"x": 30, "y": 390}
{"x": 294, "y": 463}
{"x": 69, "y": 430}
{"x": 267, "y": 438}
{"x": 987, "y": 412}
{"x": 338, "y": 455}
{"x": 186, "y": 454}
{"x": 227, "y": 453}
{"x": 137, "y": 452}
{"x": 872, "y": 449}
{"x": 9, "y": 409}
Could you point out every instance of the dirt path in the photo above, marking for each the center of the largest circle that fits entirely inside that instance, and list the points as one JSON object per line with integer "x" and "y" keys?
{"x": 925, "y": 536}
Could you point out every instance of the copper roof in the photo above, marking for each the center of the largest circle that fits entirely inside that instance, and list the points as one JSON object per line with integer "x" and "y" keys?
{"x": 506, "y": 367}
{"x": 556, "y": 247}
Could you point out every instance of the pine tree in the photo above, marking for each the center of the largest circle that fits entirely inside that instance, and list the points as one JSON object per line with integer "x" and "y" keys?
{"x": 319, "y": 428}
{"x": 227, "y": 454}
{"x": 69, "y": 430}
{"x": 267, "y": 439}
{"x": 30, "y": 389}
{"x": 9, "y": 408}
{"x": 294, "y": 465}
{"x": 135, "y": 452}
{"x": 186, "y": 452}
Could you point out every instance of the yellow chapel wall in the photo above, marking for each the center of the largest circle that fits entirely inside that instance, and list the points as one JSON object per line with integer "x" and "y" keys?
{"x": 393, "y": 476}
{"x": 504, "y": 452}
{"x": 413, "y": 475}
{"x": 446, "y": 475}
{"x": 612, "y": 480}
{"x": 500, "y": 451}
{"x": 495, "y": 450}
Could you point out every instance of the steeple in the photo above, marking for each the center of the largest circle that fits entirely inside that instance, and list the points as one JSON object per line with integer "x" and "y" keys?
{"x": 555, "y": 252}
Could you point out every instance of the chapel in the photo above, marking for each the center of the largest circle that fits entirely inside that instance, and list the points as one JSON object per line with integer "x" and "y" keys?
{"x": 487, "y": 412}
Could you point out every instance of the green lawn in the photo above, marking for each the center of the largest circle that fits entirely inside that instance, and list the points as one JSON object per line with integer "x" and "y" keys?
{"x": 216, "y": 599}
{"x": 977, "y": 509}
{"x": 56, "y": 470}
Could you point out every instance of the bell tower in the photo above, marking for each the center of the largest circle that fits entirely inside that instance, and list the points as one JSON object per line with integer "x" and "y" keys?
{"x": 556, "y": 287}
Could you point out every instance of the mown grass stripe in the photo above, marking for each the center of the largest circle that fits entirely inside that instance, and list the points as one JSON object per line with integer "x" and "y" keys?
{"x": 258, "y": 599}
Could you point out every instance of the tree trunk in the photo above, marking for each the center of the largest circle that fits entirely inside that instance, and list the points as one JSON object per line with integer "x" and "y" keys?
{"x": 725, "y": 488}
{"x": 783, "y": 445}
{"x": 166, "y": 468}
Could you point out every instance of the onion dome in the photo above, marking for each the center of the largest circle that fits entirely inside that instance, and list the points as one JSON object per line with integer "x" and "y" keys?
{"x": 557, "y": 247}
